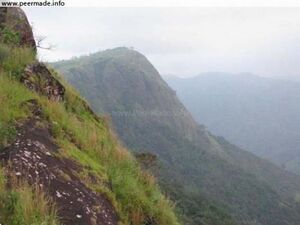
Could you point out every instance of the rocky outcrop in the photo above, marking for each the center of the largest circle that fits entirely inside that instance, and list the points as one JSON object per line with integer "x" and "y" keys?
{"x": 38, "y": 78}
{"x": 33, "y": 156}
{"x": 16, "y": 20}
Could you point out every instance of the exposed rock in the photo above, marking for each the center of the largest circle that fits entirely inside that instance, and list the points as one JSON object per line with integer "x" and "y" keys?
{"x": 38, "y": 78}
{"x": 3, "y": 12}
{"x": 76, "y": 203}
{"x": 15, "y": 19}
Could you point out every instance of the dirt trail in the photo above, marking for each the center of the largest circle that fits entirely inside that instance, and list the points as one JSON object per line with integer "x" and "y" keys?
{"x": 32, "y": 156}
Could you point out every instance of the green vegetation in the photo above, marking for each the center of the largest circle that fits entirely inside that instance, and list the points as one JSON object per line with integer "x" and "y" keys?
{"x": 211, "y": 181}
{"x": 9, "y": 37}
{"x": 11, "y": 97}
{"x": 12, "y": 94}
{"x": 18, "y": 205}
{"x": 13, "y": 60}
{"x": 85, "y": 138}
{"x": 89, "y": 142}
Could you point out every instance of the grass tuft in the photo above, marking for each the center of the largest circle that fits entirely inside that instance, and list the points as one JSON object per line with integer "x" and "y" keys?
{"x": 13, "y": 60}
{"x": 18, "y": 204}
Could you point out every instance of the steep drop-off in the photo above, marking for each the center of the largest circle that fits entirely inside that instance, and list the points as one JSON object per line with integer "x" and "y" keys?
{"x": 60, "y": 162}
{"x": 206, "y": 175}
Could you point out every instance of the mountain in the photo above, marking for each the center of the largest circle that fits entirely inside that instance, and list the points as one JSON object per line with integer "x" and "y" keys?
{"x": 60, "y": 162}
{"x": 289, "y": 78}
{"x": 258, "y": 114}
{"x": 212, "y": 181}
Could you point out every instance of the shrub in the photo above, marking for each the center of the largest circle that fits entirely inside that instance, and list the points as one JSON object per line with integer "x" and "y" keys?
{"x": 9, "y": 36}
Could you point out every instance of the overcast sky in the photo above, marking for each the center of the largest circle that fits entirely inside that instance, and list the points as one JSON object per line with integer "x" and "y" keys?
{"x": 179, "y": 41}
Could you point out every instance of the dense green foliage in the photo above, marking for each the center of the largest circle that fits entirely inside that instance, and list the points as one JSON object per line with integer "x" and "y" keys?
{"x": 233, "y": 106}
{"x": 208, "y": 177}
{"x": 86, "y": 139}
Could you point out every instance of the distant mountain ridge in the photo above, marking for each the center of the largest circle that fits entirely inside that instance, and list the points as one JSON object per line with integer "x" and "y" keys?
{"x": 206, "y": 175}
{"x": 234, "y": 106}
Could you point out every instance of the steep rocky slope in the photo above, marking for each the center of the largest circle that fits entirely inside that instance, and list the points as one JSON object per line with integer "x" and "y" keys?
{"x": 234, "y": 106}
{"x": 208, "y": 176}
{"x": 60, "y": 163}
{"x": 33, "y": 153}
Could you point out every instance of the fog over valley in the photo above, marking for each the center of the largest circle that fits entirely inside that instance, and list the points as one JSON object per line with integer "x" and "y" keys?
{"x": 149, "y": 116}
{"x": 179, "y": 41}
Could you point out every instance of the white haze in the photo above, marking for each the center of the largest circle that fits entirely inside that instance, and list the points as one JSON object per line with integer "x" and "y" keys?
{"x": 179, "y": 41}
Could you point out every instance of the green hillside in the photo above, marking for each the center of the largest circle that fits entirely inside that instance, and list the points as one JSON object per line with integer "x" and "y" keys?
{"x": 58, "y": 155}
{"x": 212, "y": 181}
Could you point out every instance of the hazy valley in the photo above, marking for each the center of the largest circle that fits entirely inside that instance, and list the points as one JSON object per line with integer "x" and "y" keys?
{"x": 103, "y": 139}
{"x": 258, "y": 114}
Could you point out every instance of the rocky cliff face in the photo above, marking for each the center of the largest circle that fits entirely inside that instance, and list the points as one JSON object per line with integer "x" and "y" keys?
{"x": 38, "y": 78}
{"x": 16, "y": 20}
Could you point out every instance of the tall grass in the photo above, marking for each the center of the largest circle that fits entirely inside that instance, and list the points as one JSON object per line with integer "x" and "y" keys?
{"x": 13, "y": 60}
{"x": 12, "y": 95}
{"x": 91, "y": 142}
{"x": 23, "y": 204}
{"x": 86, "y": 139}
{"x": 20, "y": 203}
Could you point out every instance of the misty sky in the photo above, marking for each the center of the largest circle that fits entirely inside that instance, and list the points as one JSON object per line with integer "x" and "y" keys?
{"x": 179, "y": 41}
